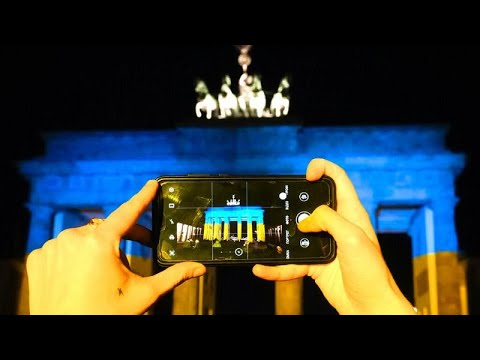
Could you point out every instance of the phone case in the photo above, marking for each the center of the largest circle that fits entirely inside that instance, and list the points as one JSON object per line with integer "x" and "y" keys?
{"x": 239, "y": 220}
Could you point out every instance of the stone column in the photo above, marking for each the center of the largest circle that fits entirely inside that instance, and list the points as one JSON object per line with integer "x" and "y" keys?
{"x": 439, "y": 274}
{"x": 440, "y": 284}
{"x": 196, "y": 296}
{"x": 226, "y": 229}
{"x": 239, "y": 229}
{"x": 289, "y": 297}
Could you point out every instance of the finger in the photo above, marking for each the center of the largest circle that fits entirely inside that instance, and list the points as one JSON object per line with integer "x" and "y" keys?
{"x": 346, "y": 192}
{"x": 140, "y": 234}
{"x": 346, "y": 234}
{"x": 161, "y": 283}
{"x": 32, "y": 263}
{"x": 355, "y": 248}
{"x": 121, "y": 220}
{"x": 280, "y": 272}
{"x": 348, "y": 202}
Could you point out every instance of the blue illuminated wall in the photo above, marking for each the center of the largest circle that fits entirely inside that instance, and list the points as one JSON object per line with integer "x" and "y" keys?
{"x": 404, "y": 175}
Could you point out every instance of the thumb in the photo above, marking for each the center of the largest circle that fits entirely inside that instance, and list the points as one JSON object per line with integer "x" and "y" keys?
{"x": 166, "y": 280}
{"x": 348, "y": 236}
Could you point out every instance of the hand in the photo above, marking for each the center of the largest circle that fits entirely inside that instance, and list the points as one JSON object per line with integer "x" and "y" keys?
{"x": 358, "y": 281}
{"x": 83, "y": 271}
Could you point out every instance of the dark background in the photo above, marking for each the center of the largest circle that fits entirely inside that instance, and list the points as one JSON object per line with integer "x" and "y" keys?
{"x": 113, "y": 86}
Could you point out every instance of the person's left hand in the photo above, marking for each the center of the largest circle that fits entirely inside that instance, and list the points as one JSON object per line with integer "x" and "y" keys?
{"x": 83, "y": 270}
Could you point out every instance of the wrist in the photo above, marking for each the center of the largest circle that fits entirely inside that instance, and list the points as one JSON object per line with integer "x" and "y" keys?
{"x": 389, "y": 305}
{"x": 397, "y": 306}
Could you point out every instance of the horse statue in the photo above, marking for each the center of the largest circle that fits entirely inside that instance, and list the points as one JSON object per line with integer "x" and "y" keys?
{"x": 280, "y": 104}
{"x": 252, "y": 100}
{"x": 206, "y": 103}
{"x": 245, "y": 93}
{"x": 227, "y": 101}
{"x": 258, "y": 101}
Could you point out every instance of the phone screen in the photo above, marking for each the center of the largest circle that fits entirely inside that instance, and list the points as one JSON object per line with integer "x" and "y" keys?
{"x": 220, "y": 220}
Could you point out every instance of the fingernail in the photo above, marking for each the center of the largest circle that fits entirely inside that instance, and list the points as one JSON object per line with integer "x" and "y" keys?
{"x": 151, "y": 182}
{"x": 199, "y": 271}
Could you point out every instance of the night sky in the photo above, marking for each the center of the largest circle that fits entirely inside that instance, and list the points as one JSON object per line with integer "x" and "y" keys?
{"x": 83, "y": 87}
{"x": 113, "y": 86}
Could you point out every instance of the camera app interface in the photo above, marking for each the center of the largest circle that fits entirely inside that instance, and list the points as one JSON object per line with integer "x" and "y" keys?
{"x": 238, "y": 220}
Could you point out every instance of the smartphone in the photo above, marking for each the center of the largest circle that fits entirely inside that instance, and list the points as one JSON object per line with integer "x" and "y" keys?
{"x": 240, "y": 220}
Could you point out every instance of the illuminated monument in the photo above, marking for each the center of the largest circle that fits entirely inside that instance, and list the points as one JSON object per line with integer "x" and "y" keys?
{"x": 251, "y": 100}
{"x": 217, "y": 218}
{"x": 405, "y": 176}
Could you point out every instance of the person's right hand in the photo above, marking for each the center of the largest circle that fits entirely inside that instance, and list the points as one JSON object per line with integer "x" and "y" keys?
{"x": 358, "y": 281}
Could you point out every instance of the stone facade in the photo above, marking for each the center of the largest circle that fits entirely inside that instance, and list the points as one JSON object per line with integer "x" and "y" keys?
{"x": 405, "y": 176}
